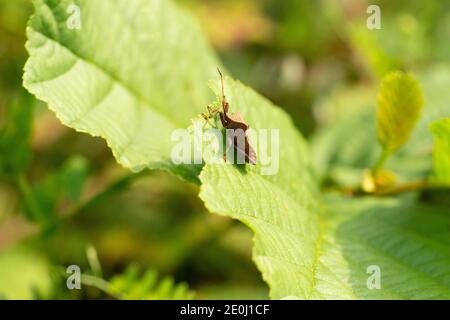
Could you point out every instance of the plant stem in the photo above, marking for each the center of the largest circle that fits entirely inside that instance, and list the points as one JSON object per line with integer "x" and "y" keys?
{"x": 411, "y": 186}
{"x": 380, "y": 162}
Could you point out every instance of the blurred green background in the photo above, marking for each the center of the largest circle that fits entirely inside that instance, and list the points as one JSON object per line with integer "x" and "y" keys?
{"x": 64, "y": 201}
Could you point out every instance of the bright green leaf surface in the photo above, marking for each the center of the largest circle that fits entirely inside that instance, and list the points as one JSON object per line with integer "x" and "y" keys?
{"x": 307, "y": 251}
{"x": 399, "y": 105}
{"x": 441, "y": 153}
{"x": 63, "y": 185}
{"x": 281, "y": 209}
{"x": 132, "y": 73}
{"x": 138, "y": 69}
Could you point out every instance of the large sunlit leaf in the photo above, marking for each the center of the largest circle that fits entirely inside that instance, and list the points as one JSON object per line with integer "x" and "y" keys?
{"x": 25, "y": 273}
{"x": 130, "y": 285}
{"x": 132, "y": 73}
{"x": 408, "y": 242}
{"x": 441, "y": 153}
{"x": 132, "y": 81}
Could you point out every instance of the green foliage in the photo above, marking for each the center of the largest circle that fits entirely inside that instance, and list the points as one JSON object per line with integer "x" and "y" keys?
{"x": 306, "y": 247}
{"x": 281, "y": 209}
{"x": 132, "y": 88}
{"x": 441, "y": 153}
{"x": 346, "y": 142}
{"x": 407, "y": 241}
{"x": 45, "y": 201}
{"x": 130, "y": 285}
{"x": 399, "y": 105}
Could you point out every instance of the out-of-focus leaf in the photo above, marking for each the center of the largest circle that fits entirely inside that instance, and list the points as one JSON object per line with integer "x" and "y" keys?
{"x": 23, "y": 272}
{"x": 130, "y": 285}
{"x": 310, "y": 251}
{"x": 410, "y": 35}
{"x": 13, "y": 17}
{"x": 441, "y": 153}
{"x": 400, "y": 102}
{"x": 132, "y": 73}
{"x": 227, "y": 292}
{"x": 59, "y": 189}
{"x": 345, "y": 144}
{"x": 15, "y": 131}
{"x": 344, "y": 149}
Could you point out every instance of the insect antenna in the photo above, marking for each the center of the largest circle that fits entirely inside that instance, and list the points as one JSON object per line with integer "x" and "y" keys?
{"x": 224, "y": 101}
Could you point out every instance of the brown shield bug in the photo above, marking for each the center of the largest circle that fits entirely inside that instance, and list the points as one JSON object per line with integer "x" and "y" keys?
{"x": 236, "y": 128}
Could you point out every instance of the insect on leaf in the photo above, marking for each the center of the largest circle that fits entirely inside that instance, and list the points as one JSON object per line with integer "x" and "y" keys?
{"x": 236, "y": 128}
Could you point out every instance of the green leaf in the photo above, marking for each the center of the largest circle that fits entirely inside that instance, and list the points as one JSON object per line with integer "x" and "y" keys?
{"x": 133, "y": 72}
{"x": 62, "y": 187}
{"x": 24, "y": 272}
{"x": 306, "y": 249}
{"x": 131, "y": 286}
{"x": 400, "y": 102}
{"x": 441, "y": 153}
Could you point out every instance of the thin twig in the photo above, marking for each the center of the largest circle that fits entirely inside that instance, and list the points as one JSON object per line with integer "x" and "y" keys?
{"x": 410, "y": 186}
